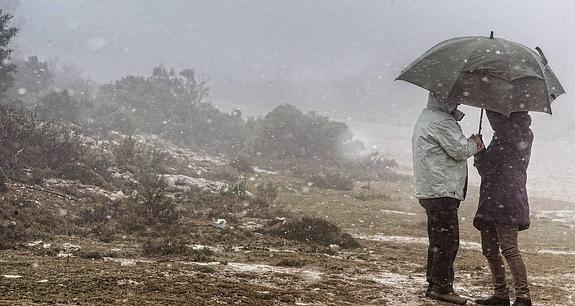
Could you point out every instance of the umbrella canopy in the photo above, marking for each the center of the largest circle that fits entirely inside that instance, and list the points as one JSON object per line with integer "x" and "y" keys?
{"x": 486, "y": 72}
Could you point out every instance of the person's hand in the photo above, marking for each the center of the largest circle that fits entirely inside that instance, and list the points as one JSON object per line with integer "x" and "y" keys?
{"x": 478, "y": 141}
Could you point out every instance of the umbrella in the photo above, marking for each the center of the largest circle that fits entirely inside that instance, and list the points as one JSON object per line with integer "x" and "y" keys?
{"x": 486, "y": 72}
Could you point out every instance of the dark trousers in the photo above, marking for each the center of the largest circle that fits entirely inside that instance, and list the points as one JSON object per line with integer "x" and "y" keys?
{"x": 443, "y": 234}
{"x": 498, "y": 239}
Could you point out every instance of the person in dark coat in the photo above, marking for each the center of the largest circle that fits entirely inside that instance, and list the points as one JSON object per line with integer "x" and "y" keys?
{"x": 503, "y": 208}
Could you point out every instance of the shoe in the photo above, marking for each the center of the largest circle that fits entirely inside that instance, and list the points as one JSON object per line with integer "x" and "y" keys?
{"x": 493, "y": 300}
{"x": 522, "y": 302}
{"x": 428, "y": 291}
{"x": 450, "y": 297}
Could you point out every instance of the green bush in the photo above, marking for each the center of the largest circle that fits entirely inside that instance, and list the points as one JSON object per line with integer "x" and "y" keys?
{"x": 313, "y": 230}
{"x": 287, "y": 133}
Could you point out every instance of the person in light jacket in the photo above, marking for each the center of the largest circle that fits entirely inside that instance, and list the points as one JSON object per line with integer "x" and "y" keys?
{"x": 440, "y": 153}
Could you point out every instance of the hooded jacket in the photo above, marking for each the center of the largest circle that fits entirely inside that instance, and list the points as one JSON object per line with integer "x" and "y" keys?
{"x": 440, "y": 151}
{"x": 503, "y": 170}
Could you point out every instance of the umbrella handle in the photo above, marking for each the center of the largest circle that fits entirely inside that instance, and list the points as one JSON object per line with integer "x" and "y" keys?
{"x": 480, "y": 121}
{"x": 543, "y": 58}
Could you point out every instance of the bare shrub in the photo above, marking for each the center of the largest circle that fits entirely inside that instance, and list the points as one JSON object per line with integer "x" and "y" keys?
{"x": 227, "y": 174}
{"x": 60, "y": 106}
{"x": 3, "y": 181}
{"x": 22, "y": 220}
{"x": 81, "y": 173}
{"x": 367, "y": 195}
{"x": 336, "y": 181}
{"x": 125, "y": 153}
{"x": 90, "y": 254}
{"x": 98, "y": 220}
{"x": 165, "y": 246}
{"x": 242, "y": 164}
{"x": 371, "y": 167}
{"x": 201, "y": 255}
{"x": 267, "y": 193}
{"x": 209, "y": 205}
{"x": 100, "y": 212}
{"x": 291, "y": 262}
{"x": 105, "y": 232}
{"x": 29, "y": 143}
{"x": 156, "y": 206}
{"x": 153, "y": 203}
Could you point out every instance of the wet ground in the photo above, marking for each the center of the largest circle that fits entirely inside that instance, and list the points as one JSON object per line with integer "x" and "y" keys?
{"x": 246, "y": 267}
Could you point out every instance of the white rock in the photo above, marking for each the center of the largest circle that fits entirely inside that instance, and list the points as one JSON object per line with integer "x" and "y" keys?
{"x": 11, "y": 276}
{"x": 34, "y": 243}
{"x": 220, "y": 223}
{"x": 128, "y": 263}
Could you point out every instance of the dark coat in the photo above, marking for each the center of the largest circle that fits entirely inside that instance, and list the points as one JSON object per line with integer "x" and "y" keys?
{"x": 503, "y": 170}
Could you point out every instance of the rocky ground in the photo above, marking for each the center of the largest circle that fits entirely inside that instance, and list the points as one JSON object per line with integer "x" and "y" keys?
{"x": 241, "y": 263}
{"x": 243, "y": 266}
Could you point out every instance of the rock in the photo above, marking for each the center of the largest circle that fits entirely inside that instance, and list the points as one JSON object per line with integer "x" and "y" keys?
{"x": 334, "y": 247}
{"x": 178, "y": 182}
{"x": 127, "y": 263}
{"x": 220, "y": 223}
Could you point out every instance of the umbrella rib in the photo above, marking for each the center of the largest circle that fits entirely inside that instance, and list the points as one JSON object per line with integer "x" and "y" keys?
{"x": 508, "y": 98}
{"x": 477, "y": 43}
{"x": 542, "y": 70}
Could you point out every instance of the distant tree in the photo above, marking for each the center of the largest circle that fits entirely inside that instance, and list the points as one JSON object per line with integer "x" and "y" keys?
{"x": 60, "y": 106}
{"x": 192, "y": 84}
{"x": 170, "y": 106}
{"x": 286, "y": 132}
{"x": 69, "y": 76}
{"x": 6, "y": 66}
{"x": 32, "y": 78}
{"x": 162, "y": 103}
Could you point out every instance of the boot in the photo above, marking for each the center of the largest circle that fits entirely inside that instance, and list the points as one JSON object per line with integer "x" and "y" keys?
{"x": 493, "y": 300}
{"x": 450, "y": 297}
{"x": 522, "y": 302}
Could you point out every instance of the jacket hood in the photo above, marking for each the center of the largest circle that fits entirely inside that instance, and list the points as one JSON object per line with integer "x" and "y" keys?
{"x": 512, "y": 128}
{"x": 434, "y": 103}
{"x": 500, "y": 122}
{"x": 521, "y": 118}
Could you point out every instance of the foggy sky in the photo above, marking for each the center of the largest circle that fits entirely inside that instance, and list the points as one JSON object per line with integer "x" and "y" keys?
{"x": 295, "y": 40}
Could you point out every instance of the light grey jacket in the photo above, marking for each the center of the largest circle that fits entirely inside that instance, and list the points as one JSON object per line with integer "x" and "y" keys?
{"x": 440, "y": 151}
